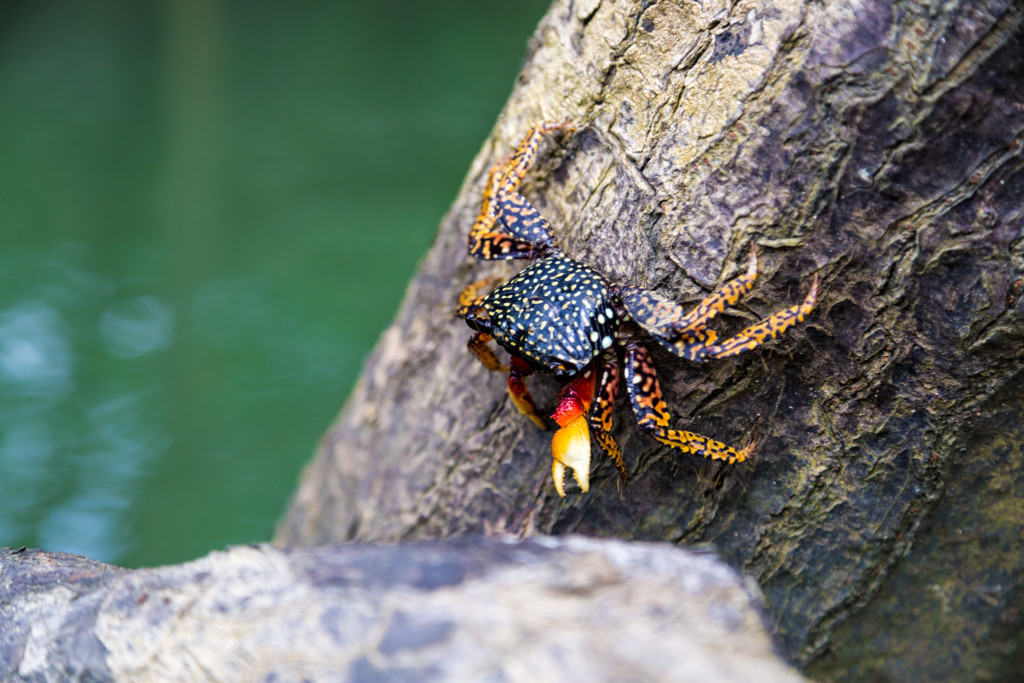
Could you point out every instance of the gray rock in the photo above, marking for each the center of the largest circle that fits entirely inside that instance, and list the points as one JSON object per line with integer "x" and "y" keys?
{"x": 481, "y": 609}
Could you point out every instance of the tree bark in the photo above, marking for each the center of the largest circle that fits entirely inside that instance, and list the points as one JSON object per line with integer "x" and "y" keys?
{"x": 876, "y": 145}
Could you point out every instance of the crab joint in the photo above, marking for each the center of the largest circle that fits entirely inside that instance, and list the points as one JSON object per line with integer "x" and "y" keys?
{"x": 570, "y": 446}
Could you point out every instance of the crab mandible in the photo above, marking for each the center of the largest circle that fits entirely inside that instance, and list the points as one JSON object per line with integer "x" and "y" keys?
{"x": 560, "y": 316}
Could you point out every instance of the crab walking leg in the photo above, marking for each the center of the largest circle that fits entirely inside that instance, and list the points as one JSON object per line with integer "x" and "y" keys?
{"x": 645, "y": 395}
{"x": 502, "y": 181}
{"x": 717, "y": 301}
{"x": 523, "y": 157}
{"x": 486, "y": 243}
{"x": 523, "y": 222}
{"x": 489, "y": 207}
{"x": 570, "y": 446}
{"x": 518, "y": 392}
{"x": 666, "y": 318}
{"x": 755, "y": 335}
{"x": 479, "y": 348}
{"x": 470, "y": 296}
{"x": 600, "y": 415}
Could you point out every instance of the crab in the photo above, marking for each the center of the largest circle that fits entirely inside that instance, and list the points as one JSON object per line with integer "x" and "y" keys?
{"x": 562, "y": 317}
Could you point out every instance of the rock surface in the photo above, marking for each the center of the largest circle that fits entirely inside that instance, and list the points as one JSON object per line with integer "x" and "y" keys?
{"x": 544, "y": 609}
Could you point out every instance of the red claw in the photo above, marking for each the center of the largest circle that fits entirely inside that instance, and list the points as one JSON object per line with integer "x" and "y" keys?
{"x": 575, "y": 398}
{"x": 570, "y": 446}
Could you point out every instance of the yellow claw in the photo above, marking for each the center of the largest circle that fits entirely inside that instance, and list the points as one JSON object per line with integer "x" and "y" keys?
{"x": 571, "y": 449}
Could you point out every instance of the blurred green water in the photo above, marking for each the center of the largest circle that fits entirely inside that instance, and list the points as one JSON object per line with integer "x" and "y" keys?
{"x": 208, "y": 212}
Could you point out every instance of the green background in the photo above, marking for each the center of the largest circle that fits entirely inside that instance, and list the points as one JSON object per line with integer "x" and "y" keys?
{"x": 208, "y": 213}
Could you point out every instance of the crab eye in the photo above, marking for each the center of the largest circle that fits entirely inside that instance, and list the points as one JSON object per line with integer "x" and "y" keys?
{"x": 479, "y": 319}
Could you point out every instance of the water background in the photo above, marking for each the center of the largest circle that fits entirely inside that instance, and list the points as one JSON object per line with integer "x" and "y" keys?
{"x": 208, "y": 213}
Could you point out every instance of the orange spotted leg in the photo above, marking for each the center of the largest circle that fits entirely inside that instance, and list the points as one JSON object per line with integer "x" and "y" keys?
{"x": 489, "y": 208}
{"x": 770, "y": 328}
{"x": 526, "y": 229}
{"x": 666, "y": 318}
{"x": 652, "y": 414}
{"x": 485, "y": 242}
{"x": 519, "y": 370}
{"x": 470, "y": 296}
{"x": 478, "y": 346}
{"x": 514, "y": 171}
{"x": 600, "y": 416}
{"x": 523, "y": 222}
{"x": 685, "y": 334}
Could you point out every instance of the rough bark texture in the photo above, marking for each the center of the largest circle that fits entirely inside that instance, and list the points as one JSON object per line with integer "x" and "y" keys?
{"x": 876, "y": 144}
{"x": 456, "y": 610}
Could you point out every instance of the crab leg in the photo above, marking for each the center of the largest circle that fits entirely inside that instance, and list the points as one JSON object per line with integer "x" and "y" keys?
{"x": 600, "y": 415}
{"x": 772, "y": 327}
{"x": 717, "y": 301}
{"x": 685, "y": 334}
{"x": 651, "y": 414}
{"x": 570, "y": 447}
{"x": 520, "y": 369}
{"x": 524, "y": 155}
{"x": 489, "y": 206}
{"x": 518, "y": 392}
{"x": 524, "y": 222}
{"x": 478, "y": 346}
{"x": 470, "y": 296}
{"x": 666, "y": 318}
{"x": 485, "y": 242}
{"x": 527, "y": 229}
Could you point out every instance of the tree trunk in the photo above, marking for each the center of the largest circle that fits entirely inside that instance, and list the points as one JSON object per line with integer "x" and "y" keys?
{"x": 876, "y": 145}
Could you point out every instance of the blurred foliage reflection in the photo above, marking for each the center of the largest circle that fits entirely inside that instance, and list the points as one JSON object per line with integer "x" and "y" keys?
{"x": 210, "y": 211}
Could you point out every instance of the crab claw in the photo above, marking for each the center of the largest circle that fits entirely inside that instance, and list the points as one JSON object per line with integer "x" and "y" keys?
{"x": 570, "y": 446}
{"x": 571, "y": 449}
